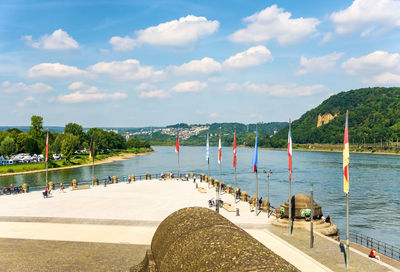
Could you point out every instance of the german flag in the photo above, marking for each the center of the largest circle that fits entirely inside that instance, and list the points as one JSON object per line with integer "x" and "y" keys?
{"x": 346, "y": 157}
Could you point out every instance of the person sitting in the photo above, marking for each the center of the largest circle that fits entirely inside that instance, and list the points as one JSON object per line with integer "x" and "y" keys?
{"x": 328, "y": 220}
{"x": 372, "y": 254}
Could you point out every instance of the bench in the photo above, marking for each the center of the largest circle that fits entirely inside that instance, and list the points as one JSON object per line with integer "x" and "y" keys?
{"x": 80, "y": 187}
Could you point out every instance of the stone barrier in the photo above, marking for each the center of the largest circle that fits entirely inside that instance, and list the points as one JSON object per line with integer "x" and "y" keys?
{"x": 216, "y": 183}
{"x": 265, "y": 205}
{"x": 25, "y": 187}
{"x": 168, "y": 175}
{"x": 229, "y": 189}
{"x": 74, "y": 183}
{"x": 51, "y": 185}
{"x": 199, "y": 239}
{"x": 114, "y": 179}
{"x": 148, "y": 176}
{"x": 191, "y": 175}
{"x": 211, "y": 181}
{"x": 95, "y": 181}
{"x": 244, "y": 195}
{"x": 132, "y": 178}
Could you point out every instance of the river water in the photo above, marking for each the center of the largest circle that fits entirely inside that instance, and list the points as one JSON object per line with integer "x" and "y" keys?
{"x": 374, "y": 181}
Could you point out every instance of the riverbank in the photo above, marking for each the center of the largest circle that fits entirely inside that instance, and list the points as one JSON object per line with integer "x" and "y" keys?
{"x": 120, "y": 157}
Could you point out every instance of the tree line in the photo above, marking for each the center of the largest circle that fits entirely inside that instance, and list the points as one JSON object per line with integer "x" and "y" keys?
{"x": 72, "y": 140}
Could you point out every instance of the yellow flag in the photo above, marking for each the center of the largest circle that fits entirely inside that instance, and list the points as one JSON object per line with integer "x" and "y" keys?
{"x": 346, "y": 158}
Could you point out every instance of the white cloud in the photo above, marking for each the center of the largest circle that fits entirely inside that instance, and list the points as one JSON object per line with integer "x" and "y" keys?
{"x": 274, "y": 23}
{"x": 204, "y": 66}
{"x": 123, "y": 43}
{"x": 80, "y": 96}
{"x": 189, "y": 86}
{"x": 368, "y": 16}
{"x": 213, "y": 115}
{"x": 129, "y": 69}
{"x": 379, "y": 67}
{"x": 253, "y": 56}
{"x": 327, "y": 37}
{"x": 55, "y": 70}
{"x": 59, "y": 40}
{"x": 180, "y": 32}
{"x": 144, "y": 86}
{"x": 278, "y": 90}
{"x": 318, "y": 64}
{"x": 154, "y": 94}
{"x": 27, "y": 100}
{"x": 76, "y": 85}
{"x": 20, "y": 87}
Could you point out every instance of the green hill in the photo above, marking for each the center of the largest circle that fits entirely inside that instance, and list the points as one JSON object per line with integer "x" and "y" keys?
{"x": 374, "y": 116}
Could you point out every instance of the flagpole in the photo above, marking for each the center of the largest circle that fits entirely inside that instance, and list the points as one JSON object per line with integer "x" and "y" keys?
{"x": 347, "y": 232}
{"x": 290, "y": 194}
{"x": 220, "y": 163}
{"x": 346, "y": 185}
{"x": 47, "y": 156}
{"x": 256, "y": 176}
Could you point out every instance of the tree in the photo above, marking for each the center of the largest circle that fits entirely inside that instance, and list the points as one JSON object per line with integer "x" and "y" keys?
{"x": 69, "y": 145}
{"x": 20, "y": 141}
{"x": 36, "y": 128}
{"x": 7, "y": 146}
{"x": 56, "y": 145}
{"x": 75, "y": 130}
{"x": 31, "y": 146}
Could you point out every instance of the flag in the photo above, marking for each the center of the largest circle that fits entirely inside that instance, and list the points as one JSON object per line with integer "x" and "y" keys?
{"x": 255, "y": 154}
{"x": 219, "y": 149}
{"x": 208, "y": 149}
{"x": 289, "y": 150}
{"x": 47, "y": 147}
{"x": 177, "y": 143}
{"x": 346, "y": 157}
{"x": 234, "y": 150}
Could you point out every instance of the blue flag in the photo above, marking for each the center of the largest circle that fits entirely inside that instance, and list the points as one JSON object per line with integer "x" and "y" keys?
{"x": 255, "y": 154}
{"x": 207, "y": 149}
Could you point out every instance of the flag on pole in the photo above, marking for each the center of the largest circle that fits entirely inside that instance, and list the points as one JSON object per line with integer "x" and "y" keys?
{"x": 208, "y": 149}
{"x": 290, "y": 153}
{"x": 219, "y": 149}
{"x": 234, "y": 150}
{"x": 91, "y": 153}
{"x": 255, "y": 154}
{"x": 177, "y": 143}
{"x": 47, "y": 147}
{"x": 346, "y": 157}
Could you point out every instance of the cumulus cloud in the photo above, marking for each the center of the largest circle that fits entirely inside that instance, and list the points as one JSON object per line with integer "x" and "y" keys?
{"x": 379, "y": 67}
{"x": 55, "y": 70}
{"x": 253, "y": 56}
{"x": 123, "y": 43}
{"x": 20, "y": 87}
{"x": 161, "y": 94}
{"x": 274, "y": 23}
{"x": 180, "y": 32}
{"x": 189, "y": 86}
{"x": 25, "y": 101}
{"x": 58, "y": 40}
{"x": 204, "y": 66}
{"x": 278, "y": 90}
{"x": 318, "y": 64}
{"x": 130, "y": 69}
{"x": 144, "y": 86}
{"x": 86, "y": 93}
{"x": 368, "y": 16}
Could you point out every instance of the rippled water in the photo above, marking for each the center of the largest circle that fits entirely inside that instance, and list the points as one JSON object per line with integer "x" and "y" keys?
{"x": 374, "y": 181}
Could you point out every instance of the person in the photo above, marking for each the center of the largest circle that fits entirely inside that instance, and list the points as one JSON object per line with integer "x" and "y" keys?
{"x": 109, "y": 179}
{"x": 61, "y": 187}
{"x": 172, "y": 175}
{"x": 260, "y": 203}
{"x": 328, "y": 219}
{"x": 372, "y": 254}
{"x": 12, "y": 188}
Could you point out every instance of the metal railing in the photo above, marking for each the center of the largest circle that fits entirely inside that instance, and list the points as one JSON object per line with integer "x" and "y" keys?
{"x": 381, "y": 247}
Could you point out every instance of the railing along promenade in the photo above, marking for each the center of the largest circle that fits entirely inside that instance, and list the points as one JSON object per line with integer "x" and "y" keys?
{"x": 382, "y": 247}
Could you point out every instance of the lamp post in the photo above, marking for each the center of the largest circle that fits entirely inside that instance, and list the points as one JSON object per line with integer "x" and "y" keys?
{"x": 268, "y": 173}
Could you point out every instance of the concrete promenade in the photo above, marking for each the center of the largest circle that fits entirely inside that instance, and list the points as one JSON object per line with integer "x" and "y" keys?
{"x": 128, "y": 214}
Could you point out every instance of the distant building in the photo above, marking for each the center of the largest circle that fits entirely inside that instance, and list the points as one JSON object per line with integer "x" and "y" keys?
{"x": 127, "y": 136}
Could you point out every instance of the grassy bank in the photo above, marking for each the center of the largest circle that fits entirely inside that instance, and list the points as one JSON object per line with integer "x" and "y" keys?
{"x": 81, "y": 159}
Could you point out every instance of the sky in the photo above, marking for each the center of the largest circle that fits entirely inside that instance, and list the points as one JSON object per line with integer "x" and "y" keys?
{"x": 155, "y": 63}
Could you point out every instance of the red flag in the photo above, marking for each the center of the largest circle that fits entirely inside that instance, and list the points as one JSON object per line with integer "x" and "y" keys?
{"x": 219, "y": 149}
{"x": 234, "y": 150}
{"x": 346, "y": 156}
{"x": 177, "y": 143}
{"x": 47, "y": 147}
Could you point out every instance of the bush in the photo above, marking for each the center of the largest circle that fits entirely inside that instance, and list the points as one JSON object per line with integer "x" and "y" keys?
{"x": 10, "y": 170}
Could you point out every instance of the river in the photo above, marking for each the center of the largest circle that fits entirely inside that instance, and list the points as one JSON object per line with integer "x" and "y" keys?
{"x": 374, "y": 181}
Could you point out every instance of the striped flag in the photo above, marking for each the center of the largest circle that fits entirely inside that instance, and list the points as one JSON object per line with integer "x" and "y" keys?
{"x": 47, "y": 147}
{"x": 219, "y": 149}
{"x": 177, "y": 143}
{"x": 255, "y": 154}
{"x": 346, "y": 157}
{"x": 208, "y": 149}
{"x": 234, "y": 150}
{"x": 290, "y": 153}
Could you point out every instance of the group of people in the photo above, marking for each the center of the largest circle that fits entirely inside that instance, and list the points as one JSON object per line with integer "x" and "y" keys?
{"x": 47, "y": 190}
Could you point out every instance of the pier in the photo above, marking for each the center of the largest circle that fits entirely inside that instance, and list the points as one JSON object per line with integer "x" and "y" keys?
{"x": 121, "y": 219}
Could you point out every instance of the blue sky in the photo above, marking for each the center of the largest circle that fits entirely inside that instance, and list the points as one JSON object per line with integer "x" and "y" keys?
{"x": 139, "y": 63}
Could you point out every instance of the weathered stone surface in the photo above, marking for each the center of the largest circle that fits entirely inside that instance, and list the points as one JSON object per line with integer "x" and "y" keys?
{"x": 229, "y": 189}
{"x": 265, "y": 205}
{"x": 114, "y": 179}
{"x": 95, "y": 181}
{"x": 74, "y": 183}
{"x": 51, "y": 185}
{"x": 132, "y": 178}
{"x": 191, "y": 175}
{"x": 148, "y": 176}
{"x": 199, "y": 239}
{"x": 243, "y": 196}
{"x": 25, "y": 187}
